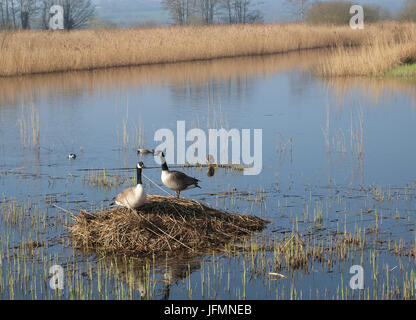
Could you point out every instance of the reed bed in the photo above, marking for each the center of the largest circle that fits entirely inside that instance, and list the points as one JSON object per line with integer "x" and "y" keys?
{"x": 163, "y": 224}
{"x": 28, "y": 52}
{"x": 376, "y": 59}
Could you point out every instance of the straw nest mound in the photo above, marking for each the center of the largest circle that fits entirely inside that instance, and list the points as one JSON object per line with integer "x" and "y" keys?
{"x": 162, "y": 224}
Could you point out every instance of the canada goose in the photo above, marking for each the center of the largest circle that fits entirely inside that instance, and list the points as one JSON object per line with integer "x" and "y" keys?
{"x": 211, "y": 169}
{"x": 72, "y": 156}
{"x": 145, "y": 151}
{"x": 176, "y": 180}
{"x": 133, "y": 197}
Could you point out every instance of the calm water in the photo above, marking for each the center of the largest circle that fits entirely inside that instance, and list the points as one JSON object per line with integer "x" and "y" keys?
{"x": 338, "y": 151}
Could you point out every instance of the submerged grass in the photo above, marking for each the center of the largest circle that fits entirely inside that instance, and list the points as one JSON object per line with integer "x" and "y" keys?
{"x": 281, "y": 263}
{"x": 101, "y": 179}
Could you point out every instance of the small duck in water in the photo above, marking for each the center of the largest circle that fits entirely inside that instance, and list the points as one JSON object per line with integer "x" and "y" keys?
{"x": 211, "y": 169}
{"x": 145, "y": 151}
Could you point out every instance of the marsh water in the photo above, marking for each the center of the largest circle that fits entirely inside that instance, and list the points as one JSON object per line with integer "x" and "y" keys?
{"x": 338, "y": 160}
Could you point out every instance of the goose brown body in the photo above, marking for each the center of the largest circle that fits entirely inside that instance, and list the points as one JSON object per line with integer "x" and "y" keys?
{"x": 176, "y": 180}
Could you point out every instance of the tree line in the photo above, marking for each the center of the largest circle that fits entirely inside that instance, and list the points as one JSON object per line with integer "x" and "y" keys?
{"x": 337, "y": 12}
{"x": 185, "y": 12}
{"x": 28, "y": 14}
{"x": 246, "y": 11}
{"x": 34, "y": 14}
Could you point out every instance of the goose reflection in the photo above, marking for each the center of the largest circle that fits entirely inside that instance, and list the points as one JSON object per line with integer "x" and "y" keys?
{"x": 138, "y": 274}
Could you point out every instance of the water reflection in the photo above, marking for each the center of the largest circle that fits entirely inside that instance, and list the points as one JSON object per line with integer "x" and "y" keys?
{"x": 322, "y": 141}
{"x": 229, "y": 75}
{"x": 374, "y": 90}
{"x": 153, "y": 279}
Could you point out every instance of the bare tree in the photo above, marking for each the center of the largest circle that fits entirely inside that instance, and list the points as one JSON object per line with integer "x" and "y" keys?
{"x": 227, "y": 5}
{"x": 299, "y": 7}
{"x": 409, "y": 11}
{"x": 9, "y": 11}
{"x": 13, "y": 11}
{"x": 44, "y": 8}
{"x": 2, "y": 22}
{"x": 17, "y": 13}
{"x": 77, "y": 13}
{"x": 241, "y": 11}
{"x": 27, "y": 9}
{"x": 208, "y": 9}
{"x": 180, "y": 10}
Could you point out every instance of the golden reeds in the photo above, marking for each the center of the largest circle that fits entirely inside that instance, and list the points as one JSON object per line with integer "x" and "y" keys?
{"x": 381, "y": 55}
{"x": 27, "y": 52}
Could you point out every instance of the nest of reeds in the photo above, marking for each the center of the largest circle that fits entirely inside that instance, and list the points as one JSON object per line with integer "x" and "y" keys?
{"x": 162, "y": 224}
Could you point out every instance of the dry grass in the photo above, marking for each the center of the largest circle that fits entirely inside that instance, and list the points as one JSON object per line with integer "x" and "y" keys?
{"x": 28, "y": 52}
{"x": 383, "y": 54}
{"x": 163, "y": 224}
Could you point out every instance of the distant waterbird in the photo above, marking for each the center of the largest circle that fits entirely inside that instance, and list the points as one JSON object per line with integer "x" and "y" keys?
{"x": 211, "y": 169}
{"x": 133, "y": 197}
{"x": 176, "y": 180}
{"x": 72, "y": 156}
{"x": 145, "y": 151}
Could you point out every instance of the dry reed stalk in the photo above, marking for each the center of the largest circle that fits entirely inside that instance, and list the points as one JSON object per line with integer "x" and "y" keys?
{"x": 382, "y": 54}
{"x": 163, "y": 224}
{"x": 357, "y": 133}
{"x": 29, "y": 52}
{"x": 29, "y": 127}
{"x": 369, "y": 88}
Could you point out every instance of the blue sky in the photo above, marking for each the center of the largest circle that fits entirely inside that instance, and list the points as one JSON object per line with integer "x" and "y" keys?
{"x": 140, "y": 10}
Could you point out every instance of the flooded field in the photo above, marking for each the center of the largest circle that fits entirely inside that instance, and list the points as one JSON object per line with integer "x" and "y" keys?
{"x": 338, "y": 182}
